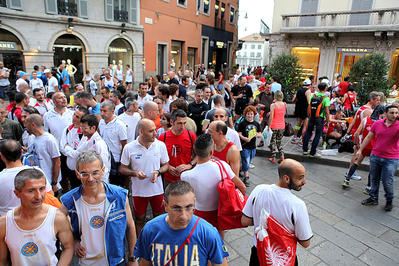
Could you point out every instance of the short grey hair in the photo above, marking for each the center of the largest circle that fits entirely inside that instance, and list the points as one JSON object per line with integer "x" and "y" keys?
{"x": 217, "y": 99}
{"x": 89, "y": 156}
{"x": 27, "y": 174}
{"x": 197, "y": 91}
{"x": 108, "y": 104}
{"x": 373, "y": 95}
{"x": 202, "y": 77}
{"x": 129, "y": 102}
{"x": 96, "y": 76}
{"x": 203, "y": 145}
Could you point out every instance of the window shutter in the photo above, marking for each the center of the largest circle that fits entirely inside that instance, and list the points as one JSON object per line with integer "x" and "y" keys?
{"x": 109, "y": 10}
{"x": 51, "y": 7}
{"x": 83, "y": 9}
{"x": 16, "y": 4}
{"x": 133, "y": 12}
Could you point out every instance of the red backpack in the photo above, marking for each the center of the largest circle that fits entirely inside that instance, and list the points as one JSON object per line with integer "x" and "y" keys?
{"x": 231, "y": 202}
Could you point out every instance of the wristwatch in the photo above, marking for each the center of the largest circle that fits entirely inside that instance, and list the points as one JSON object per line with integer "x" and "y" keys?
{"x": 133, "y": 258}
{"x": 191, "y": 163}
{"x": 53, "y": 183}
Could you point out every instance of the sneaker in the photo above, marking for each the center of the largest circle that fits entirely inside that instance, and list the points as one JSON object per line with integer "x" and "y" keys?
{"x": 367, "y": 190}
{"x": 246, "y": 181}
{"x": 317, "y": 155}
{"x": 251, "y": 166}
{"x": 388, "y": 207}
{"x": 300, "y": 143}
{"x": 370, "y": 201}
{"x": 294, "y": 140}
{"x": 345, "y": 184}
{"x": 356, "y": 177}
{"x": 241, "y": 174}
{"x": 306, "y": 152}
{"x": 324, "y": 146}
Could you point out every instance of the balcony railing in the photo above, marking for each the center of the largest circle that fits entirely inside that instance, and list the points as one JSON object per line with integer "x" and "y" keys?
{"x": 220, "y": 23}
{"x": 340, "y": 21}
{"x": 120, "y": 15}
{"x": 67, "y": 8}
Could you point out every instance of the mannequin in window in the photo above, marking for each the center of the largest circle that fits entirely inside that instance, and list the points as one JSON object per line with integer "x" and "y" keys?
{"x": 71, "y": 71}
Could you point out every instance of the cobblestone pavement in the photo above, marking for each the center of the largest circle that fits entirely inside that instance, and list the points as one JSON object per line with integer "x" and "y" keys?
{"x": 345, "y": 232}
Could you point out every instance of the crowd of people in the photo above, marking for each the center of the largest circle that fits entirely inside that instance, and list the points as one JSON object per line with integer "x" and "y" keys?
{"x": 160, "y": 146}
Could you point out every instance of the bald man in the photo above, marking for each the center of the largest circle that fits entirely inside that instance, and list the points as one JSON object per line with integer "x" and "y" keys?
{"x": 45, "y": 149}
{"x": 280, "y": 203}
{"x": 150, "y": 111}
{"x": 232, "y": 135}
{"x": 225, "y": 150}
{"x": 149, "y": 159}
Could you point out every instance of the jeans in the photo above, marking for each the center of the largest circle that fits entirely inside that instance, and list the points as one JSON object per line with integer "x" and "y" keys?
{"x": 3, "y": 91}
{"x": 246, "y": 158}
{"x": 382, "y": 169}
{"x": 319, "y": 123}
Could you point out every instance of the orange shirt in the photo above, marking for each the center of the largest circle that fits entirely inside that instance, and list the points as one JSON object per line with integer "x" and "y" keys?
{"x": 158, "y": 120}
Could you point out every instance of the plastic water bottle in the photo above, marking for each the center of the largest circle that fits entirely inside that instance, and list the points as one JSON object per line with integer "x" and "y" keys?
{"x": 346, "y": 138}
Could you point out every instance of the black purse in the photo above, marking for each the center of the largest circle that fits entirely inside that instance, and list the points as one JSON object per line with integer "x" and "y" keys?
{"x": 289, "y": 130}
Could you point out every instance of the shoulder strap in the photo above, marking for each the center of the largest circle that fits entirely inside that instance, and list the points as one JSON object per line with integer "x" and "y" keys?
{"x": 187, "y": 240}
{"x": 221, "y": 169}
{"x": 189, "y": 135}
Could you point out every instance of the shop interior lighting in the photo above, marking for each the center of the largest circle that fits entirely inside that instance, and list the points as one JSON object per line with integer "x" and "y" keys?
{"x": 123, "y": 31}
{"x": 70, "y": 25}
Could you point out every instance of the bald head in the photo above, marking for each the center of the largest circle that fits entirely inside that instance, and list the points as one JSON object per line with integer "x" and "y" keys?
{"x": 150, "y": 110}
{"x": 290, "y": 168}
{"x": 35, "y": 119}
{"x": 220, "y": 114}
{"x": 147, "y": 131}
{"x": 218, "y": 126}
{"x": 23, "y": 86}
{"x": 144, "y": 124}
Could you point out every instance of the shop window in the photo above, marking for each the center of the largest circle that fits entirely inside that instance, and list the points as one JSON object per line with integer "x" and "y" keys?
{"x": 120, "y": 52}
{"x": 252, "y": 46}
{"x": 232, "y": 15}
{"x": 206, "y": 7}
{"x": 176, "y": 55}
{"x": 191, "y": 58}
{"x": 182, "y": 3}
{"x": 309, "y": 59}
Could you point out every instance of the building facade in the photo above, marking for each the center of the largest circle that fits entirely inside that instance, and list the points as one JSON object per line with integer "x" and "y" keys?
{"x": 254, "y": 52}
{"x": 183, "y": 33}
{"x": 329, "y": 36}
{"x": 90, "y": 34}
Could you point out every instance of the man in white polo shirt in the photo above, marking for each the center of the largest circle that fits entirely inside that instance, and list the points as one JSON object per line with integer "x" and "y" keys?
{"x": 55, "y": 121}
{"x": 131, "y": 117}
{"x": 149, "y": 159}
{"x": 114, "y": 133}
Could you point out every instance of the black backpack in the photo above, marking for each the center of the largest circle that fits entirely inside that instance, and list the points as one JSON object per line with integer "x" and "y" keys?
{"x": 316, "y": 106}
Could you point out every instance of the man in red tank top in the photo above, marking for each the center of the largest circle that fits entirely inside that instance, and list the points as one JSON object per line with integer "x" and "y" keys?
{"x": 225, "y": 150}
{"x": 364, "y": 111}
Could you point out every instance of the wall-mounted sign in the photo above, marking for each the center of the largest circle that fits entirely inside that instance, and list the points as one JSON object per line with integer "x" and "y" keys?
{"x": 220, "y": 44}
{"x": 117, "y": 50}
{"x": 8, "y": 46}
{"x": 148, "y": 20}
{"x": 355, "y": 50}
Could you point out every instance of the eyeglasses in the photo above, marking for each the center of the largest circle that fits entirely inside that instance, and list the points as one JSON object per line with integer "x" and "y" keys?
{"x": 84, "y": 128}
{"x": 94, "y": 174}
{"x": 179, "y": 209}
{"x": 211, "y": 131}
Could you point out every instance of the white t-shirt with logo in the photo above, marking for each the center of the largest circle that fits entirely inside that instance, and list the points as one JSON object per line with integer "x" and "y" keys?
{"x": 35, "y": 83}
{"x": 56, "y": 123}
{"x": 204, "y": 178}
{"x": 147, "y": 160}
{"x": 283, "y": 206}
{"x": 45, "y": 148}
{"x": 92, "y": 238}
{"x": 131, "y": 124}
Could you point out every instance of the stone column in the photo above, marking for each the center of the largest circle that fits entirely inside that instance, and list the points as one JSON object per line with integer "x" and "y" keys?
{"x": 39, "y": 58}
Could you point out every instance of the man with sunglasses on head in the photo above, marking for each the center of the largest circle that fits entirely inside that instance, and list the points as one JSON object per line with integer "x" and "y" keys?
{"x": 161, "y": 238}
{"x": 100, "y": 216}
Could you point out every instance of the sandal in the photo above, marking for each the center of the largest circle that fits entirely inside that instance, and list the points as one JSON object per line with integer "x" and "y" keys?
{"x": 272, "y": 160}
{"x": 280, "y": 160}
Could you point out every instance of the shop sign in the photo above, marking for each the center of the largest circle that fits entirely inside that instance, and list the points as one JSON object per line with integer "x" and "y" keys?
{"x": 355, "y": 50}
{"x": 8, "y": 46}
{"x": 220, "y": 44}
{"x": 117, "y": 50}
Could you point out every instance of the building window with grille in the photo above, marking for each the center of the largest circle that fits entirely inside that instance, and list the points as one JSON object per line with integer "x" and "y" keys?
{"x": 206, "y": 7}
{"x": 252, "y": 46}
{"x": 67, "y": 7}
{"x": 232, "y": 15}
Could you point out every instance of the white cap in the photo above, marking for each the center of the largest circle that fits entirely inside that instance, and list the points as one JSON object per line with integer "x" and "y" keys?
{"x": 47, "y": 71}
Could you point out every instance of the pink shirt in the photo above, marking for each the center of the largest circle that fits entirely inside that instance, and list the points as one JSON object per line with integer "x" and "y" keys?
{"x": 278, "y": 117}
{"x": 386, "y": 144}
